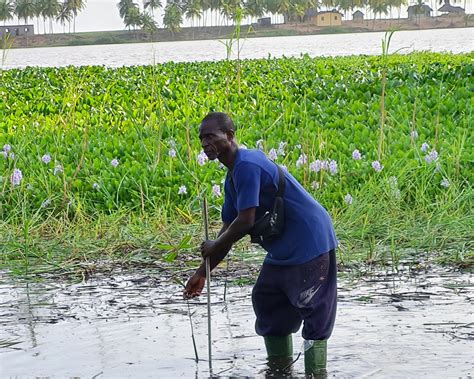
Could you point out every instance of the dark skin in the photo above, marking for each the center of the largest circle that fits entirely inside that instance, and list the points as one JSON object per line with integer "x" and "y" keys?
{"x": 220, "y": 145}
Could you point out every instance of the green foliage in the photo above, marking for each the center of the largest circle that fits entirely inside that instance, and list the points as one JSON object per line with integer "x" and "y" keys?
{"x": 86, "y": 117}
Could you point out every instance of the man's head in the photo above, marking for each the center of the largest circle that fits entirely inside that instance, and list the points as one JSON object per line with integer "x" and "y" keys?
{"x": 216, "y": 133}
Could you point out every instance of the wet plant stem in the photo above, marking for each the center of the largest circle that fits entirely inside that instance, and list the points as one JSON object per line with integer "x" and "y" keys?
{"x": 208, "y": 282}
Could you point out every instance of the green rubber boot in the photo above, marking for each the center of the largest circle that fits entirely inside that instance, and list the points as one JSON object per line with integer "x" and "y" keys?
{"x": 279, "y": 346}
{"x": 315, "y": 357}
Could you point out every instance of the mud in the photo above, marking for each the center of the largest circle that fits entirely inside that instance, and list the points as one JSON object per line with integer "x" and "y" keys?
{"x": 135, "y": 324}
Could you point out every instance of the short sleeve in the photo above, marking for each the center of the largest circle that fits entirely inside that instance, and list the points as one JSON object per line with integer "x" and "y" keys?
{"x": 247, "y": 178}
{"x": 229, "y": 213}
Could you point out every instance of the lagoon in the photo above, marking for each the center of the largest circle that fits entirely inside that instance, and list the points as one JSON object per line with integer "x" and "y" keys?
{"x": 460, "y": 40}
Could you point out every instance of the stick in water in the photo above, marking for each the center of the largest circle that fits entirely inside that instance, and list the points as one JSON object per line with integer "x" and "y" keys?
{"x": 208, "y": 280}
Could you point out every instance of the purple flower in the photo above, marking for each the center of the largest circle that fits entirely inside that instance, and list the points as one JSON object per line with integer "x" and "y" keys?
{"x": 356, "y": 155}
{"x": 325, "y": 165}
{"x": 272, "y": 154}
{"x": 172, "y": 143}
{"x": 377, "y": 166}
{"x": 281, "y": 148}
{"x": 6, "y": 148}
{"x": 216, "y": 190}
{"x": 333, "y": 167}
{"x": 46, "y": 158}
{"x": 57, "y": 169}
{"x": 182, "y": 190}
{"x": 301, "y": 160}
{"x": 432, "y": 156}
{"x": 445, "y": 183}
{"x": 424, "y": 147}
{"x": 12, "y": 156}
{"x": 259, "y": 144}
{"x": 95, "y": 186}
{"x": 172, "y": 153}
{"x": 5, "y": 154}
{"x": 348, "y": 199}
{"x": 414, "y": 134}
{"x": 315, "y": 166}
{"x": 16, "y": 177}
{"x": 202, "y": 158}
{"x": 114, "y": 162}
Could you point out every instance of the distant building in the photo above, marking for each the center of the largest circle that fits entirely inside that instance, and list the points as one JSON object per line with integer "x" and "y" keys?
{"x": 323, "y": 18}
{"x": 450, "y": 9}
{"x": 264, "y": 21}
{"x": 357, "y": 16}
{"x": 17, "y": 30}
{"x": 417, "y": 11}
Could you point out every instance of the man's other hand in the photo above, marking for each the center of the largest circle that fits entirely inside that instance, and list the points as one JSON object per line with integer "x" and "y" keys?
{"x": 194, "y": 286}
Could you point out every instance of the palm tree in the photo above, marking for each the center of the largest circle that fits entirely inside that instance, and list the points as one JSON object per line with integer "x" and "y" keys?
{"x": 50, "y": 10}
{"x": 193, "y": 10}
{"x": 24, "y": 9}
{"x": 6, "y": 10}
{"x": 76, "y": 6}
{"x": 64, "y": 15}
{"x": 254, "y": 8}
{"x": 133, "y": 17}
{"x": 173, "y": 17}
{"x": 152, "y": 4}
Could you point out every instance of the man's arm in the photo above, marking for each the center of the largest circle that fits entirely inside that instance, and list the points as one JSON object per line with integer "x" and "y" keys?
{"x": 195, "y": 284}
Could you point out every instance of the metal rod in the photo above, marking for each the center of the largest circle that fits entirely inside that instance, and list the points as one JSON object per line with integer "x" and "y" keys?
{"x": 208, "y": 281}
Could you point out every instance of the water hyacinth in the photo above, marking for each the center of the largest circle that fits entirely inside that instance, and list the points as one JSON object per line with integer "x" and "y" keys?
{"x": 281, "y": 149}
{"x": 46, "y": 158}
{"x": 333, "y": 167}
{"x": 172, "y": 153}
{"x": 431, "y": 157}
{"x": 356, "y": 155}
{"x": 12, "y": 156}
{"x": 377, "y": 166}
{"x": 301, "y": 160}
{"x": 414, "y": 134}
{"x": 6, "y": 148}
{"x": 216, "y": 190}
{"x": 348, "y": 199}
{"x": 325, "y": 165}
{"x": 445, "y": 183}
{"x": 315, "y": 166}
{"x": 424, "y": 147}
{"x": 57, "y": 168}
{"x": 95, "y": 186}
{"x": 114, "y": 162}
{"x": 5, "y": 154}
{"x": 202, "y": 158}
{"x": 16, "y": 177}
{"x": 182, "y": 190}
{"x": 272, "y": 154}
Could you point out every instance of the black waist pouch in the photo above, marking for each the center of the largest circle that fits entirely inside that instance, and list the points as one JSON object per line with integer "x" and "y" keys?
{"x": 270, "y": 226}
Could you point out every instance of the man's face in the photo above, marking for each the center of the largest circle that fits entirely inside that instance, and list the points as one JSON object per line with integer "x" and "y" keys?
{"x": 213, "y": 140}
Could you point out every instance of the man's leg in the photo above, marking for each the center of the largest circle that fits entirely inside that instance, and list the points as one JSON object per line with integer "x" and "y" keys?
{"x": 276, "y": 317}
{"x": 314, "y": 293}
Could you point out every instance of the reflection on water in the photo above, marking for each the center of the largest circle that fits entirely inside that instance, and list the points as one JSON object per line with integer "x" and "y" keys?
{"x": 453, "y": 40}
{"x": 137, "y": 325}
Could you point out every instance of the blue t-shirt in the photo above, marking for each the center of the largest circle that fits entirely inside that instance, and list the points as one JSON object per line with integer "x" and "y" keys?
{"x": 308, "y": 230}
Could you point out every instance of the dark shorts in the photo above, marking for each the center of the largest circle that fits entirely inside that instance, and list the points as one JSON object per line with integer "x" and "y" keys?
{"x": 285, "y": 296}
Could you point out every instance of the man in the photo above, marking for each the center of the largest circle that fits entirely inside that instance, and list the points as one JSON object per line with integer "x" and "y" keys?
{"x": 297, "y": 281}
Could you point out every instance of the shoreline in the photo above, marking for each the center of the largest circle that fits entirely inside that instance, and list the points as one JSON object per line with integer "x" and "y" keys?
{"x": 225, "y": 32}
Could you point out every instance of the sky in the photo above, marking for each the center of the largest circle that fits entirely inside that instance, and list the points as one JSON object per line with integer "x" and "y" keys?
{"x": 103, "y": 15}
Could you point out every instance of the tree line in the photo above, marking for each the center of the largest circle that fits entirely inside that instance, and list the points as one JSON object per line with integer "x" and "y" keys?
{"x": 47, "y": 11}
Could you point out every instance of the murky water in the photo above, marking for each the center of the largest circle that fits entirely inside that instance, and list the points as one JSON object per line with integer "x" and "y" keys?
{"x": 452, "y": 40}
{"x": 136, "y": 325}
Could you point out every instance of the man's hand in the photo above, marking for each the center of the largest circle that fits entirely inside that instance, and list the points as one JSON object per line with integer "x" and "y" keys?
{"x": 194, "y": 286}
{"x": 209, "y": 248}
